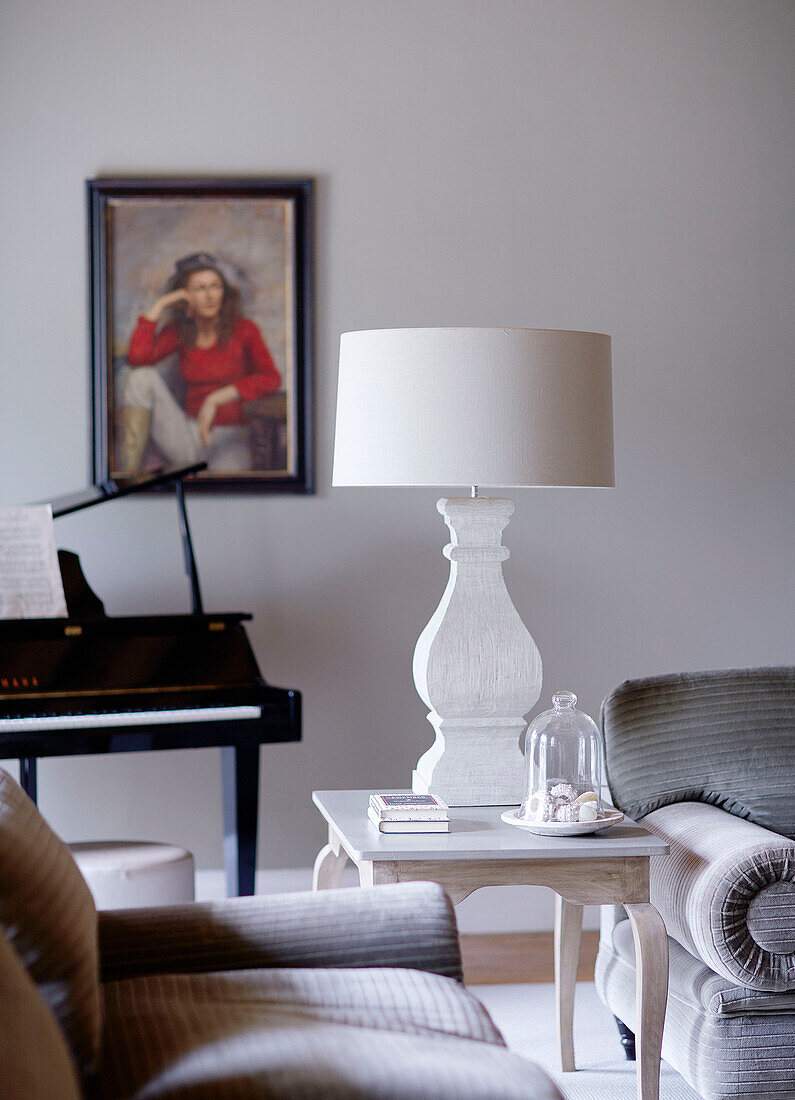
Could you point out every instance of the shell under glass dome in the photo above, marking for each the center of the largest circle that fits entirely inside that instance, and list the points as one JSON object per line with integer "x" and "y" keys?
{"x": 563, "y": 766}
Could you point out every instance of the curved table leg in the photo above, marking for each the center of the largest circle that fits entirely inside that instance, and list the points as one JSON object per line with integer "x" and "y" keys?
{"x": 329, "y": 864}
{"x": 568, "y": 931}
{"x": 651, "y": 994}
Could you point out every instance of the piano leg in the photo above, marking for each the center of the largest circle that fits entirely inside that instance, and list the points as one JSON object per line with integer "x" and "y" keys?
{"x": 27, "y": 777}
{"x": 240, "y": 773}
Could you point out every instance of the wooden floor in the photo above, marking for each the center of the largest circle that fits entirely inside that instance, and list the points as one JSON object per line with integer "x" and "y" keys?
{"x": 510, "y": 957}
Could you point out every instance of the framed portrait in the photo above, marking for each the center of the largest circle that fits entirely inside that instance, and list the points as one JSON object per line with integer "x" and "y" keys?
{"x": 200, "y": 318}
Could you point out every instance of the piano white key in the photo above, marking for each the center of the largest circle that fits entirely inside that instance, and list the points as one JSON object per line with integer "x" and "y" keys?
{"x": 127, "y": 718}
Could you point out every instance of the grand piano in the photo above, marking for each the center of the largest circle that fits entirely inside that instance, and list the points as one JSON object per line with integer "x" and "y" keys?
{"x": 91, "y": 683}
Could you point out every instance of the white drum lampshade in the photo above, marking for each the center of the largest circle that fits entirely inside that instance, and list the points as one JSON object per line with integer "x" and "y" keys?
{"x": 475, "y": 407}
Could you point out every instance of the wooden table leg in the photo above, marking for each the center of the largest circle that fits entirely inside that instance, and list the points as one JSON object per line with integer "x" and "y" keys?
{"x": 651, "y": 994}
{"x": 329, "y": 864}
{"x": 568, "y": 931}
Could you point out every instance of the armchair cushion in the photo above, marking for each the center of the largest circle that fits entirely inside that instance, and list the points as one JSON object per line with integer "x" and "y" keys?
{"x": 403, "y": 925}
{"x": 693, "y": 981}
{"x": 726, "y": 891}
{"x": 308, "y": 1033}
{"x": 48, "y": 915}
{"x": 724, "y": 737}
{"x": 728, "y": 1042}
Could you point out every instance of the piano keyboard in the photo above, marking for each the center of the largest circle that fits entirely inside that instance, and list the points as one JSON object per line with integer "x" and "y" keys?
{"x": 130, "y": 718}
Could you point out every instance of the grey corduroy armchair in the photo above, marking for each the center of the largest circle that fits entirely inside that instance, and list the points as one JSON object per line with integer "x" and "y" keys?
{"x": 342, "y": 994}
{"x": 707, "y": 761}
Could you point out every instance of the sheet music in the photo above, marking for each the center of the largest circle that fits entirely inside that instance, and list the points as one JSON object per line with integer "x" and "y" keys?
{"x": 30, "y": 580}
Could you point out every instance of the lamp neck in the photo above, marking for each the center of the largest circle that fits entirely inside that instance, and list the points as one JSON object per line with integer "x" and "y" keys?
{"x": 476, "y": 527}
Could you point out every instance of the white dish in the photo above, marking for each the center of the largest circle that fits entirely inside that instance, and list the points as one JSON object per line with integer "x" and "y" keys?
{"x": 564, "y": 828}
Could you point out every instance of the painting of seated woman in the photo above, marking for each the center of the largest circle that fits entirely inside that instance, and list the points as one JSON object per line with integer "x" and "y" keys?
{"x": 206, "y": 312}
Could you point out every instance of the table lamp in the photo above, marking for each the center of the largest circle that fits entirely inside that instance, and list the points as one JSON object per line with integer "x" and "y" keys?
{"x": 474, "y": 407}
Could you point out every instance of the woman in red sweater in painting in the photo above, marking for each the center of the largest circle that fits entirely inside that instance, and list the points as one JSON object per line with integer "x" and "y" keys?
{"x": 223, "y": 361}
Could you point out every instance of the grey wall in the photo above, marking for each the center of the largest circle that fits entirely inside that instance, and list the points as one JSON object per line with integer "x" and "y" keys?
{"x": 622, "y": 165}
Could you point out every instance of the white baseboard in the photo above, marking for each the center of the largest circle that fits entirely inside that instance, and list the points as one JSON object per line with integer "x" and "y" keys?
{"x": 493, "y": 909}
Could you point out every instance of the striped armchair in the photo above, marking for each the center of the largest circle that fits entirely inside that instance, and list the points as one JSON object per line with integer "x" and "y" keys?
{"x": 707, "y": 761}
{"x": 342, "y": 994}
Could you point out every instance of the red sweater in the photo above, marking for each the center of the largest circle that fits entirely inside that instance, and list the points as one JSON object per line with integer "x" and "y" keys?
{"x": 244, "y": 362}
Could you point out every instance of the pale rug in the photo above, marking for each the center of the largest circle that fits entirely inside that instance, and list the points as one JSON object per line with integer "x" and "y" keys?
{"x": 525, "y": 1014}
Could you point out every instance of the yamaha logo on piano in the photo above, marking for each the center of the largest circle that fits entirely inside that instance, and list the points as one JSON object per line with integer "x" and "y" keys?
{"x": 19, "y": 681}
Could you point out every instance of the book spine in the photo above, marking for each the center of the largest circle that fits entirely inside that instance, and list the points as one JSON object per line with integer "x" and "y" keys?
{"x": 407, "y": 826}
{"x": 430, "y": 806}
{"x": 413, "y": 817}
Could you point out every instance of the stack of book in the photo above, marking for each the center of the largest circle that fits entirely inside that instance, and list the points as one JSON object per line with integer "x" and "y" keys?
{"x": 408, "y": 813}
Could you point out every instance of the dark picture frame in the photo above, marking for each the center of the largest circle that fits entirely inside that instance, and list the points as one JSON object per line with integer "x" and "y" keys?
{"x": 154, "y": 245}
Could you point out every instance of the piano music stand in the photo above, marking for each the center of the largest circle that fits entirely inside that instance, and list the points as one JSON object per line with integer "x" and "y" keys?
{"x": 109, "y": 490}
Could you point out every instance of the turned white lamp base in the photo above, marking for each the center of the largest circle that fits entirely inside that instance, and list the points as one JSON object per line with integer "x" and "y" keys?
{"x": 476, "y": 667}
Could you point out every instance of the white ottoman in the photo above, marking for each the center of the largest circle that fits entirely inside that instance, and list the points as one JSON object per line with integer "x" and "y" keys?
{"x": 127, "y": 874}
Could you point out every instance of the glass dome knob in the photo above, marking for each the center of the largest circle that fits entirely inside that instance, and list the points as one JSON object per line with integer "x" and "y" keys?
{"x": 563, "y": 699}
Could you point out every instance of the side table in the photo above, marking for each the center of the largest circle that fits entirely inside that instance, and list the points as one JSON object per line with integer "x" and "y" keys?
{"x": 609, "y": 868}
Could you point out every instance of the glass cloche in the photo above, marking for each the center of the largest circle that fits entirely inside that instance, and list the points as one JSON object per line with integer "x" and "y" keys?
{"x": 563, "y": 767}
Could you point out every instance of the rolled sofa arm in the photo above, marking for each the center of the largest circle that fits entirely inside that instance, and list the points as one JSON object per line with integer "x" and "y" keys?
{"x": 410, "y": 925}
{"x": 726, "y": 891}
